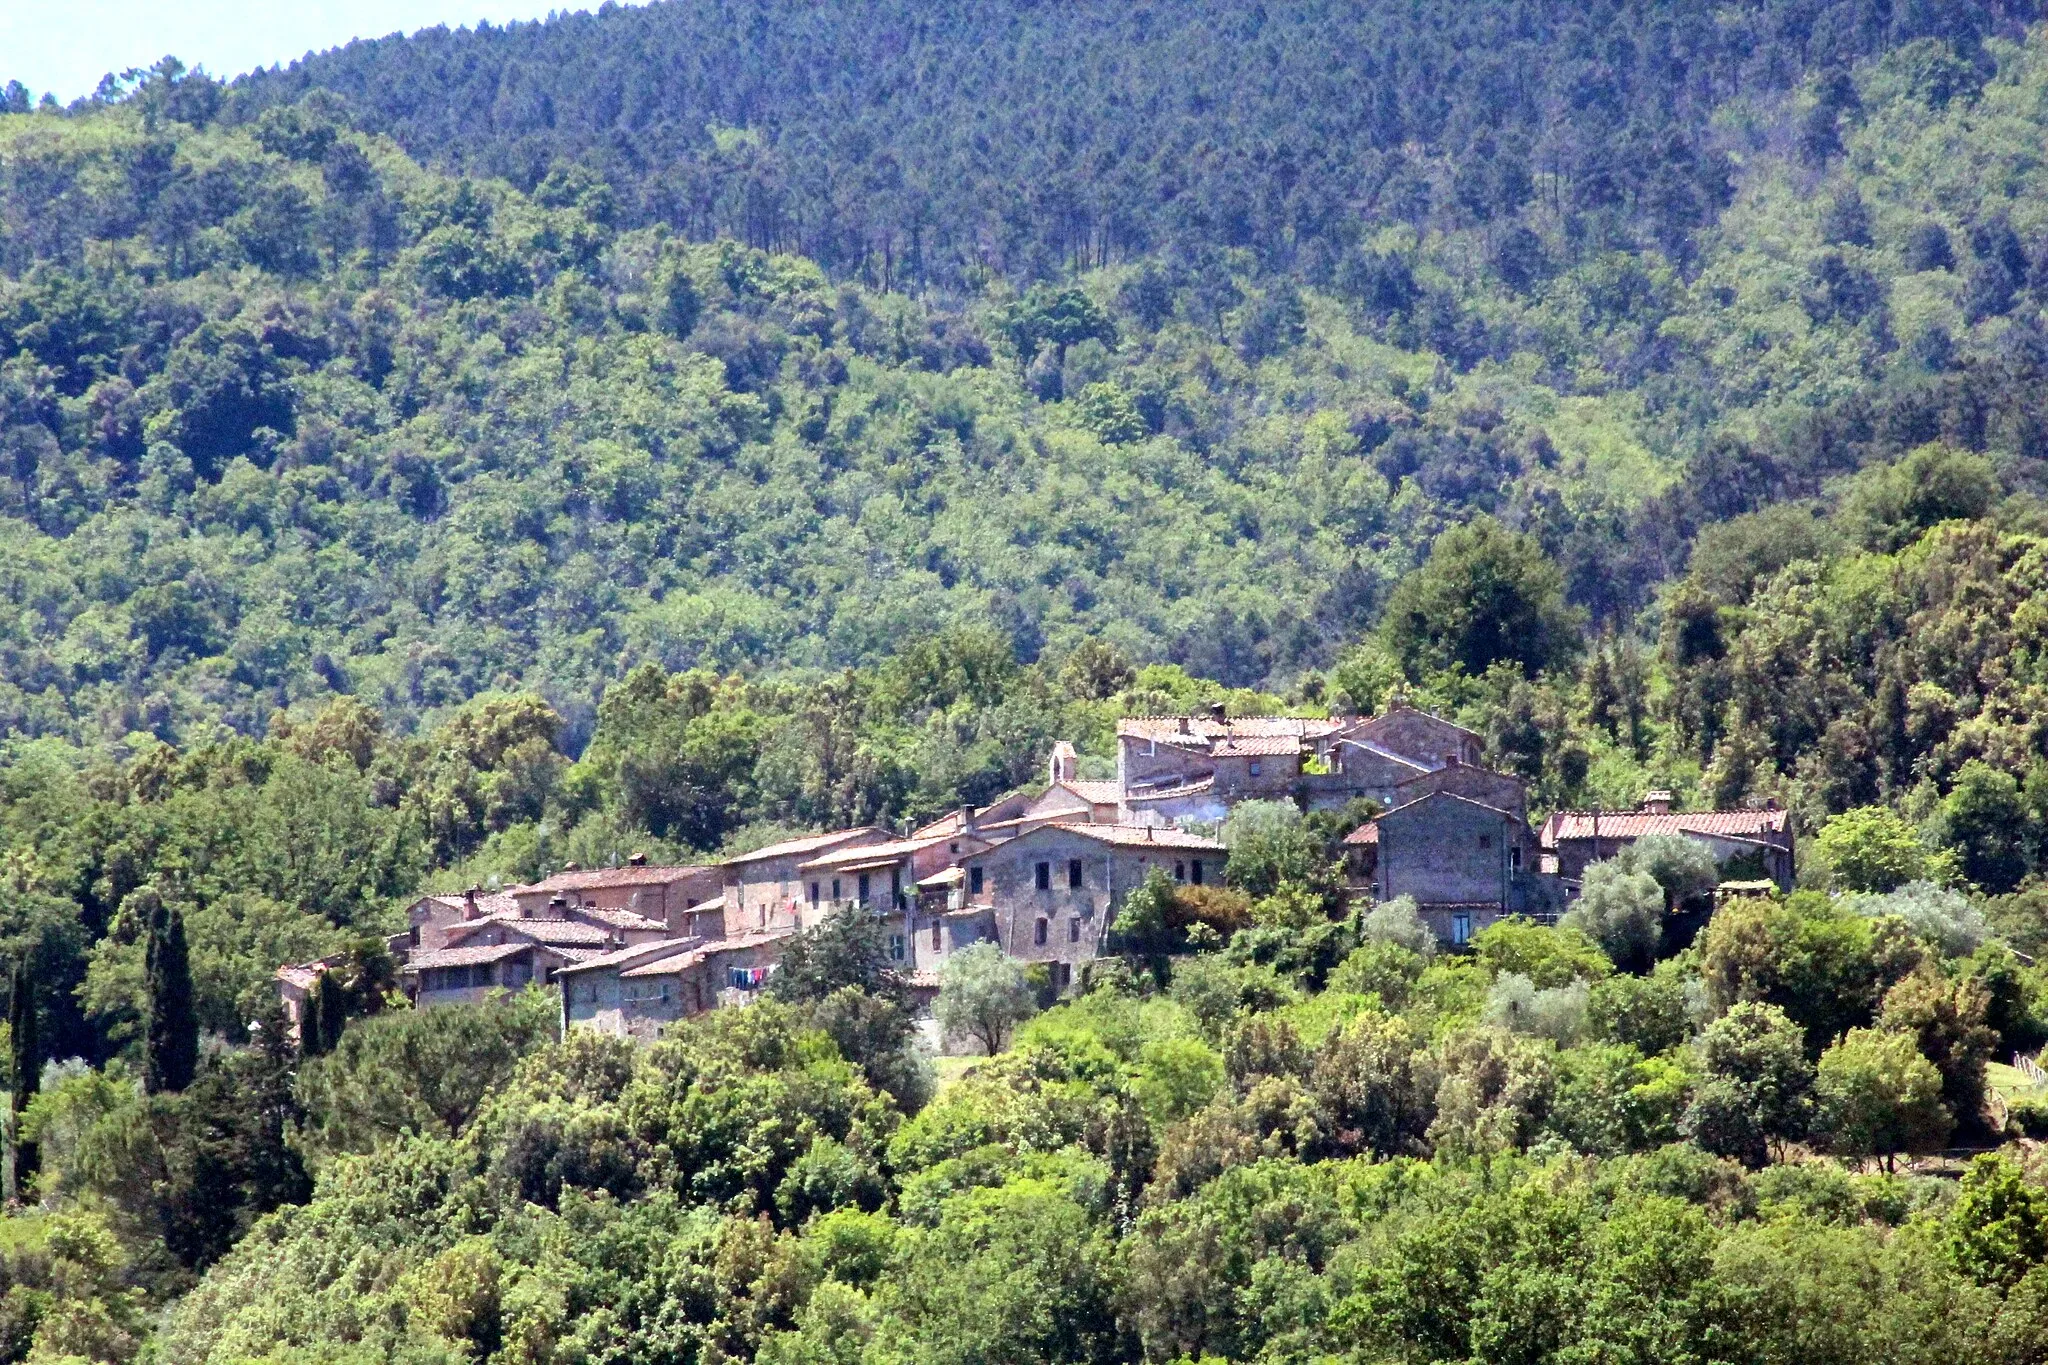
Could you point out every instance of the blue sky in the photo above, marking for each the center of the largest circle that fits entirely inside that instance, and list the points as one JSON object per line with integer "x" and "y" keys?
{"x": 65, "y": 46}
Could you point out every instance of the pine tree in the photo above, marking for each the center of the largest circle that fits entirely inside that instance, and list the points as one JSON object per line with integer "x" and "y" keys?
{"x": 27, "y": 1069}
{"x": 170, "y": 1039}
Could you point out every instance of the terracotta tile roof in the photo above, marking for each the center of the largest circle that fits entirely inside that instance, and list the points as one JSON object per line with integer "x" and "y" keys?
{"x": 550, "y": 931}
{"x": 1194, "y": 788}
{"x": 1257, "y": 746}
{"x": 810, "y": 843}
{"x": 1367, "y": 833}
{"x": 490, "y": 903}
{"x": 1139, "y": 836}
{"x": 617, "y": 919}
{"x": 464, "y": 957}
{"x": 598, "y": 878}
{"x": 638, "y": 952}
{"x": 711, "y": 948}
{"x": 1634, "y": 824}
{"x": 877, "y": 855}
{"x": 301, "y": 974}
{"x": 1096, "y": 793}
{"x": 1242, "y": 727}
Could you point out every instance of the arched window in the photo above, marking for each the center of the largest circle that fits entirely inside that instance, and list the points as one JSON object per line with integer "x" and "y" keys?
{"x": 1038, "y": 933}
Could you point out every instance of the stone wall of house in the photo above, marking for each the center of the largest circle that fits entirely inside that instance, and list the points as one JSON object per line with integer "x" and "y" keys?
{"x": 1446, "y": 850}
{"x": 1500, "y": 790}
{"x": 1423, "y": 737}
{"x": 1143, "y": 760}
{"x": 1064, "y": 924}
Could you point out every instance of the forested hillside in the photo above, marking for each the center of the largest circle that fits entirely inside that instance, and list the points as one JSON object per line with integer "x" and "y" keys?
{"x": 669, "y": 429}
{"x": 288, "y": 414}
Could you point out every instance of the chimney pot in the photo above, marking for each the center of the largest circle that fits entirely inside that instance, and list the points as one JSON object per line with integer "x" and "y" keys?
{"x": 1657, "y": 802}
{"x": 637, "y": 860}
{"x": 469, "y": 903}
{"x": 572, "y": 867}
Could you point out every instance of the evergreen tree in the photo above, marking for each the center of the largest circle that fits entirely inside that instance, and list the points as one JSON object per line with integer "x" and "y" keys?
{"x": 27, "y": 1064}
{"x": 170, "y": 1040}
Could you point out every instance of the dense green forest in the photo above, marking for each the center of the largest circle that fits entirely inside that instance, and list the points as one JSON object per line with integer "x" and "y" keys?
{"x": 661, "y": 430}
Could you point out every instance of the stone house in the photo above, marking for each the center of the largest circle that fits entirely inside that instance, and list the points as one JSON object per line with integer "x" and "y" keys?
{"x": 1467, "y": 864}
{"x": 766, "y": 889}
{"x": 1195, "y": 768}
{"x": 1758, "y": 842}
{"x": 468, "y": 973}
{"x": 638, "y": 991}
{"x": 665, "y": 894}
{"x": 512, "y": 949}
{"x": 439, "y": 920}
{"x": 1049, "y": 895}
{"x": 884, "y": 880}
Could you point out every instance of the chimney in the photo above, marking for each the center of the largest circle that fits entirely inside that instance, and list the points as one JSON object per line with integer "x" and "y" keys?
{"x": 967, "y": 819}
{"x": 1657, "y": 802}
{"x": 1182, "y": 722}
{"x": 1216, "y": 712}
{"x": 572, "y": 867}
{"x": 637, "y": 860}
{"x": 469, "y": 910}
{"x": 558, "y": 908}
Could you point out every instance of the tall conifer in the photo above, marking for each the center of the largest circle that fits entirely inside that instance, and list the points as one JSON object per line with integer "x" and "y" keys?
{"x": 27, "y": 1061}
{"x": 170, "y": 1039}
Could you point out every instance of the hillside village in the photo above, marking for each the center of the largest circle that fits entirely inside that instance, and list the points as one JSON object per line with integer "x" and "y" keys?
{"x": 1043, "y": 873}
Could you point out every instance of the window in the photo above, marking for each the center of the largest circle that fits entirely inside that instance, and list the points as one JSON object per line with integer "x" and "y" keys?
{"x": 1045, "y": 876}
{"x": 1485, "y": 841}
{"x": 935, "y": 936}
{"x": 1515, "y": 857}
{"x": 863, "y": 888}
{"x": 1073, "y": 874}
{"x": 814, "y": 893}
{"x": 1461, "y": 928}
{"x": 1257, "y": 767}
{"x": 1074, "y": 930}
{"x": 1198, "y": 872}
{"x": 896, "y": 887}
{"x": 1180, "y": 871}
{"x": 952, "y": 848}
{"x": 1062, "y": 975}
{"x": 896, "y": 947}
{"x": 1038, "y": 929}
{"x": 835, "y": 888}
{"x": 974, "y": 881}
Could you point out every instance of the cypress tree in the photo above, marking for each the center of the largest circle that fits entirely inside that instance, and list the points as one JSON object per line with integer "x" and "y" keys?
{"x": 170, "y": 1037}
{"x": 323, "y": 1016}
{"x": 27, "y": 1062}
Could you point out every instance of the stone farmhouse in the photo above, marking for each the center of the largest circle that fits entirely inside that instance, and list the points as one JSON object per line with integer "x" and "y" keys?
{"x": 1759, "y": 841}
{"x": 1466, "y": 862}
{"x": 1050, "y": 895}
{"x": 1173, "y": 769}
{"x": 666, "y": 894}
{"x": 638, "y": 991}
